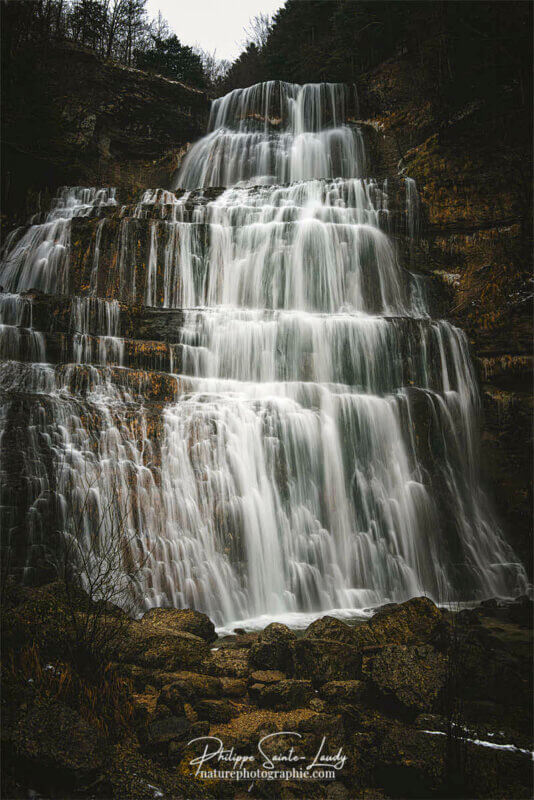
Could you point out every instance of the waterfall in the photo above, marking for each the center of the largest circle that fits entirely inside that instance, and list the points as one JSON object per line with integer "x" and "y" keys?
{"x": 302, "y": 438}
{"x": 275, "y": 133}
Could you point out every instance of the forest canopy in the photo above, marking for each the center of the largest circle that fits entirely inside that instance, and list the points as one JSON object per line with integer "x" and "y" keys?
{"x": 115, "y": 29}
{"x": 471, "y": 47}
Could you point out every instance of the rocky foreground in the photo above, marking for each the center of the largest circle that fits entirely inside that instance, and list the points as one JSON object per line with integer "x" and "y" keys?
{"x": 420, "y": 701}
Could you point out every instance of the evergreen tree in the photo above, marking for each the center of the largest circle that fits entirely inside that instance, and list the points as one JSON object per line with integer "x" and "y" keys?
{"x": 170, "y": 58}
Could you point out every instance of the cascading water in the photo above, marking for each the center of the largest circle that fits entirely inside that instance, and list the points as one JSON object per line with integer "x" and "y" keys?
{"x": 319, "y": 447}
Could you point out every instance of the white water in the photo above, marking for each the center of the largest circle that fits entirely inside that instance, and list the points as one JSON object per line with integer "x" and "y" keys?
{"x": 322, "y": 449}
{"x": 275, "y": 133}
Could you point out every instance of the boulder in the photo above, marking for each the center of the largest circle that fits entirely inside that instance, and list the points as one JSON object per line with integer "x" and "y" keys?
{"x": 282, "y": 695}
{"x": 410, "y": 763}
{"x": 518, "y": 612}
{"x": 411, "y": 676}
{"x": 158, "y": 648}
{"x": 44, "y": 615}
{"x": 227, "y": 662}
{"x": 192, "y": 685}
{"x": 243, "y": 731}
{"x": 332, "y": 628}
{"x": 174, "y": 698}
{"x": 272, "y": 650}
{"x": 342, "y": 691}
{"x": 216, "y": 710}
{"x": 323, "y": 660}
{"x": 146, "y": 706}
{"x": 233, "y": 687}
{"x": 158, "y": 734}
{"x": 418, "y": 620}
{"x": 267, "y": 676}
{"x": 320, "y": 725}
{"x": 176, "y": 747}
{"x": 521, "y": 611}
{"x": 181, "y": 619}
{"x": 56, "y": 740}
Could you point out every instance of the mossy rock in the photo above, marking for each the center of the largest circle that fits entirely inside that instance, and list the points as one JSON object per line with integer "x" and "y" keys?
{"x": 161, "y": 649}
{"x": 57, "y": 745}
{"x": 417, "y": 620}
{"x": 181, "y": 619}
{"x": 323, "y": 660}
{"x": 410, "y": 676}
{"x": 283, "y": 695}
{"x": 272, "y": 651}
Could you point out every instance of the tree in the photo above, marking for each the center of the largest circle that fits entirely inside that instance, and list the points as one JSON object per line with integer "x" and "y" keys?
{"x": 170, "y": 58}
{"x": 135, "y": 27}
{"x": 257, "y": 31}
{"x": 88, "y": 20}
{"x": 215, "y": 69}
{"x": 159, "y": 27}
{"x": 115, "y": 16}
{"x": 99, "y": 557}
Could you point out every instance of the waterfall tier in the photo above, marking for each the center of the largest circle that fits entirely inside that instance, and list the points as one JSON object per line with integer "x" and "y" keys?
{"x": 250, "y": 377}
{"x": 275, "y": 133}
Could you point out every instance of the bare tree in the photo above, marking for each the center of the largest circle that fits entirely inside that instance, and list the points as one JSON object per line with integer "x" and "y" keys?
{"x": 99, "y": 558}
{"x": 257, "y": 31}
{"x": 159, "y": 27}
{"x": 115, "y": 15}
{"x": 215, "y": 69}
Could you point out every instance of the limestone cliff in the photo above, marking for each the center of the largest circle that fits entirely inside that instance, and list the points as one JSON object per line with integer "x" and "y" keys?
{"x": 473, "y": 173}
{"x": 87, "y": 121}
